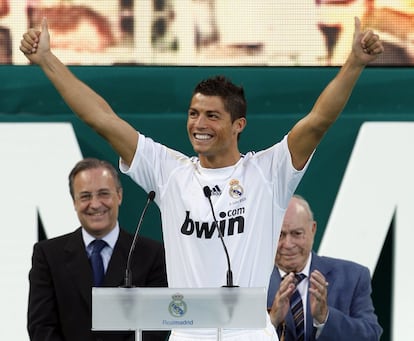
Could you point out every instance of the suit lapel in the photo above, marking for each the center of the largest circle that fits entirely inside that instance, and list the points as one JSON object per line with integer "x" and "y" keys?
{"x": 319, "y": 264}
{"x": 77, "y": 263}
{"x": 115, "y": 272}
{"x": 274, "y": 284}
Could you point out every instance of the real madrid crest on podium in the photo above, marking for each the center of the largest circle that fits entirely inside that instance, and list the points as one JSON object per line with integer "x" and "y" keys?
{"x": 177, "y": 306}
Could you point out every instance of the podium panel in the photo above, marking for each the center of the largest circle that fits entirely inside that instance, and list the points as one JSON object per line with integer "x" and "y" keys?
{"x": 119, "y": 309}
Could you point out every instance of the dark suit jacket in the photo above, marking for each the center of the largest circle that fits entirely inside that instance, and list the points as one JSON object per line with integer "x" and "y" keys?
{"x": 60, "y": 295}
{"x": 351, "y": 311}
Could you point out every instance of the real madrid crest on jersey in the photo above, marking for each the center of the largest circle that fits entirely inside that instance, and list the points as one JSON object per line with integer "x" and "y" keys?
{"x": 236, "y": 190}
{"x": 177, "y": 307}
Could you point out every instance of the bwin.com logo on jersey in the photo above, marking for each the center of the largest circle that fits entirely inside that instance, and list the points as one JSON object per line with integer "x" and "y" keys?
{"x": 177, "y": 307}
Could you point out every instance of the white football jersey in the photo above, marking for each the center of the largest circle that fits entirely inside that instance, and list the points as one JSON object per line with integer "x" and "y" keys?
{"x": 249, "y": 200}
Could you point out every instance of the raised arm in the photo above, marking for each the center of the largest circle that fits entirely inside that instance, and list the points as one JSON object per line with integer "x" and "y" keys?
{"x": 309, "y": 131}
{"x": 84, "y": 102}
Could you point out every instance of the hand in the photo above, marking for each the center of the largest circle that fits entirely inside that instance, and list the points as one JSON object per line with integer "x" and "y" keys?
{"x": 318, "y": 289}
{"x": 281, "y": 302}
{"x": 366, "y": 45}
{"x": 35, "y": 44}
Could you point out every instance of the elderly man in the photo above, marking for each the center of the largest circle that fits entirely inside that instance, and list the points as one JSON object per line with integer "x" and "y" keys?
{"x": 332, "y": 296}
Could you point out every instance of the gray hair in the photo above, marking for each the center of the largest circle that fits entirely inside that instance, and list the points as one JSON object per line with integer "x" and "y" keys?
{"x": 305, "y": 205}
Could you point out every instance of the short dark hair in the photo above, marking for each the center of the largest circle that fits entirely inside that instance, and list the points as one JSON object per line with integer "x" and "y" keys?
{"x": 92, "y": 163}
{"x": 232, "y": 95}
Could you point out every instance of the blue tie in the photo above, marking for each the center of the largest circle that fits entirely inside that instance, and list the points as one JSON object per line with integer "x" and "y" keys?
{"x": 296, "y": 306}
{"x": 97, "y": 262}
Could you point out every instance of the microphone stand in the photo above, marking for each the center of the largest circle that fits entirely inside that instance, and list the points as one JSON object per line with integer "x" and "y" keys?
{"x": 128, "y": 271}
{"x": 229, "y": 277}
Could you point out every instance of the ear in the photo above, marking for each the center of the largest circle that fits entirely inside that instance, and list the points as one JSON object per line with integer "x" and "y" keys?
{"x": 120, "y": 193}
{"x": 314, "y": 227}
{"x": 240, "y": 124}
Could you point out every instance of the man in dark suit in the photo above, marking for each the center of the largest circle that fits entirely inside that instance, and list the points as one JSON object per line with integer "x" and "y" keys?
{"x": 61, "y": 277}
{"x": 335, "y": 293}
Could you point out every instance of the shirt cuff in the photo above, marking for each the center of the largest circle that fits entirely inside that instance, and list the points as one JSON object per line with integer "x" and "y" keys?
{"x": 319, "y": 326}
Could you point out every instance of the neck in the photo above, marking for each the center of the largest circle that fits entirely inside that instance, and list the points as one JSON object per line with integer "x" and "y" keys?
{"x": 219, "y": 162}
{"x": 289, "y": 270}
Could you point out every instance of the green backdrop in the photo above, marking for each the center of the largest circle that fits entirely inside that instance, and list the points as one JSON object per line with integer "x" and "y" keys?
{"x": 155, "y": 101}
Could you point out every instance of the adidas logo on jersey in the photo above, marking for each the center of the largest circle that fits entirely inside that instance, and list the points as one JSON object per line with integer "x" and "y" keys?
{"x": 216, "y": 190}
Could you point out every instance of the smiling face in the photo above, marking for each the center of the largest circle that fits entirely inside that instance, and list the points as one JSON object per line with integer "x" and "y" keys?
{"x": 296, "y": 237}
{"x": 96, "y": 198}
{"x": 212, "y": 133}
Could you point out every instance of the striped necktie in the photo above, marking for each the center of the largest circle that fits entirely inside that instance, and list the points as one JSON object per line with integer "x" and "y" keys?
{"x": 296, "y": 306}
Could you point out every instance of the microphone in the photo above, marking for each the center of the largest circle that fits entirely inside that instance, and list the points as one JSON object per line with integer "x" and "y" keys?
{"x": 128, "y": 271}
{"x": 207, "y": 193}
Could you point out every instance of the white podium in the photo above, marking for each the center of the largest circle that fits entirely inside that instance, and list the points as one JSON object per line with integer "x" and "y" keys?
{"x": 138, "y": 309}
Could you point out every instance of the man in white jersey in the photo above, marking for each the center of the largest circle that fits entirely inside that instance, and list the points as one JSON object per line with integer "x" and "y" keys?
{"x": 249, "y": 192}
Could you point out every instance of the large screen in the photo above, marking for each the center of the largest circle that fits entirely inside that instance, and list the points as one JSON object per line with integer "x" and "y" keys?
{"x": 208, "y": 32}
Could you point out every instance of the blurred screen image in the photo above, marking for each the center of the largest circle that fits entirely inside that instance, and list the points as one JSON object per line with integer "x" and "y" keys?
{"x": 208, "y": 32}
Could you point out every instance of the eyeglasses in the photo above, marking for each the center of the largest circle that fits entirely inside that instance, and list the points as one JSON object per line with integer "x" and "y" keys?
{"x": 101, "y": 195}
